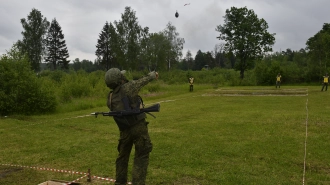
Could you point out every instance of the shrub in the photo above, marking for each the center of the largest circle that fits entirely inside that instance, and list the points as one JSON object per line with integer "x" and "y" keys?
{"x": 153, "y": 87}
{"x": 21, "y": 91}
{"x": 75, "y": 85}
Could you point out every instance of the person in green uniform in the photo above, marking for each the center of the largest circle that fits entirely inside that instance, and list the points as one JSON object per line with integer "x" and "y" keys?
{"x": 325, "y": 82}
{"x": 133, "y": 128}
{"x": 278, "y": 80}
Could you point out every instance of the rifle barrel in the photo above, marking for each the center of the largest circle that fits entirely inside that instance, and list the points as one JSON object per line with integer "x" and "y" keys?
{"x": 153, "y": 108}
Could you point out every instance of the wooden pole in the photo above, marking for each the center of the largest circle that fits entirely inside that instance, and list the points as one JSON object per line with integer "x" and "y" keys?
{"x": 89, "y": 179}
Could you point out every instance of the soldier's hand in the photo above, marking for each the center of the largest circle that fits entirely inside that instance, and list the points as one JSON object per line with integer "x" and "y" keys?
{"x": 154, "y": 74}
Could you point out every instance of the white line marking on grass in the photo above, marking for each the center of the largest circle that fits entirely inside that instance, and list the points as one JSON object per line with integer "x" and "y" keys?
{"x": 297, "y": 90}
{"x": 263, "y": 92}
{"x": 32, "y": 124}
{"x": 254, "y": 95}
{"x": 305, "y": 142}
{"x": 259, "y": 92}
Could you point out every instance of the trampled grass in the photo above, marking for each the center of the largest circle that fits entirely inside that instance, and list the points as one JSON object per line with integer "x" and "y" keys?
{"x": 230, "y": 135}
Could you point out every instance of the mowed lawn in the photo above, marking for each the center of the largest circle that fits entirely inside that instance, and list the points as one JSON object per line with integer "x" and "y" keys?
{"x": 229, "y": 135}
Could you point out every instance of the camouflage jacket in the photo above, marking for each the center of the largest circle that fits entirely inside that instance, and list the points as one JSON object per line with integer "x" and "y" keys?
{"x": 128, "y": 92}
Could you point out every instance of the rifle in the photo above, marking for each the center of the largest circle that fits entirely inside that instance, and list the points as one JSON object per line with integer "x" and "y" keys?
{"x": 153, "y": 108}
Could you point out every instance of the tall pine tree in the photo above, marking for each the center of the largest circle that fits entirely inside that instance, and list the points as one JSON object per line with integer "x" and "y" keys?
{"x": 105, "y": 46}
{"x": 57, "y": 51}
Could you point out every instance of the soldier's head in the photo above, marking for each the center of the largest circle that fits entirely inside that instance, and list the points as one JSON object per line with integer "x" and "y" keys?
{"x": 114, "y": 77}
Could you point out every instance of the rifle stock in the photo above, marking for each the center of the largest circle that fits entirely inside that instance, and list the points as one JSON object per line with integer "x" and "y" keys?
{"x": 153, "y": 108}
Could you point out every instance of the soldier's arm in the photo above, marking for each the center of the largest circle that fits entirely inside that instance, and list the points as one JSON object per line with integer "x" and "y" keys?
{"x": 133, "y": 87}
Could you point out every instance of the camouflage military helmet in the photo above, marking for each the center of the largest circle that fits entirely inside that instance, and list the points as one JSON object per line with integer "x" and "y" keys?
{"x": 113, "y": 77}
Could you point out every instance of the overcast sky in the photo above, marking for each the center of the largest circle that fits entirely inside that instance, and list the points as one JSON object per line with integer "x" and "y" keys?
{"x": 293, "y": 21}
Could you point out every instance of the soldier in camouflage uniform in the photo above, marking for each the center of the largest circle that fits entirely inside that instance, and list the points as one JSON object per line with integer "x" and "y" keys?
{"x": 133, "y": 128}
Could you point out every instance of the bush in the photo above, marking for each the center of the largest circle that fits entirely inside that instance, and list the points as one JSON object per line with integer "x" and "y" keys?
{"x": 153, "y": 87}
{"x": 21, "y": 91}
{"x": 75, "y": 85}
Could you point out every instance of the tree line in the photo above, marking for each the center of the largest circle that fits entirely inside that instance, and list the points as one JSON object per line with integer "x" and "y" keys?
{"x": 247, "y": 45}
{"x": 43, "y": 41}
{"x": 124, "y": 44}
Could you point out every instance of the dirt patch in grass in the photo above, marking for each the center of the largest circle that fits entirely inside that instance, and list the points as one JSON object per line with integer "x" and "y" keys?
{"x": 7, "y": 171}
{"x": 319, "y": 168}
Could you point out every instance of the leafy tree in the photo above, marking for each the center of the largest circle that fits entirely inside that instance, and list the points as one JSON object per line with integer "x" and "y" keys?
{"x": 210, "y": 61}
{"x": 85, "y": 65}
{"x": 277, "y": 56}
{"x": 57, "y": 51}
{"x": 200, "y": 60}
{"x": 146, "y": 49}
{"x": 76, "y": 64}
{"x": 154, "y": 51}
{"x": 143, "y": 60}
{"x": 183, "y": 65}
{"x": 33, "y": 42}
{"x": 300, "y": 58}
{"x": 262, "y": 74}
{"x": 289, "y": 54}
{"x": 318, "y": 48}
{"x": 190, "y": 60}
{"x": 130, "y": 34}
{"x": 246, "y": 36}
{"x": 175, "y": 53}
{"x": 187, "y": 62}
{"x": 219, "y": 55}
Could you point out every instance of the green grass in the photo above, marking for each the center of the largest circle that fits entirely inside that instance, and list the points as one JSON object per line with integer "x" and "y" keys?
{"x": 230, "y": 135}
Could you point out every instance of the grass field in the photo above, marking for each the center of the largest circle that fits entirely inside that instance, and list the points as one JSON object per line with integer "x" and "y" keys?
{"x": 229, "y": 135}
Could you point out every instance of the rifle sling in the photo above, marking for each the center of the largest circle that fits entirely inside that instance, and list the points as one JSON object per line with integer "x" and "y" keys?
{"x": 150, "y": 114}
{"x": 110, "y": 100}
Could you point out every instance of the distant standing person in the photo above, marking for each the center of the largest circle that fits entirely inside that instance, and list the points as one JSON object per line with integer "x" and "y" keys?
{"x": 325, "y": 82}
{"x": 191, "y": 84}
{"x": 278, "y": 80}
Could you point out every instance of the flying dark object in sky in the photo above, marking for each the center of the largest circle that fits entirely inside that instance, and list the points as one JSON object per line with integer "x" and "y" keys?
{"x": 177, "y": 14}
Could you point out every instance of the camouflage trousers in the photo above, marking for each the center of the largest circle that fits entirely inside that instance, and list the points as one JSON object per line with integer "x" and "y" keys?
{"x": 138, "y": 136}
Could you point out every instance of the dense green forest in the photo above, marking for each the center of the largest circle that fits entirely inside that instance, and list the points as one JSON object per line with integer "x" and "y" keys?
{"x": 244, "y": 45}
